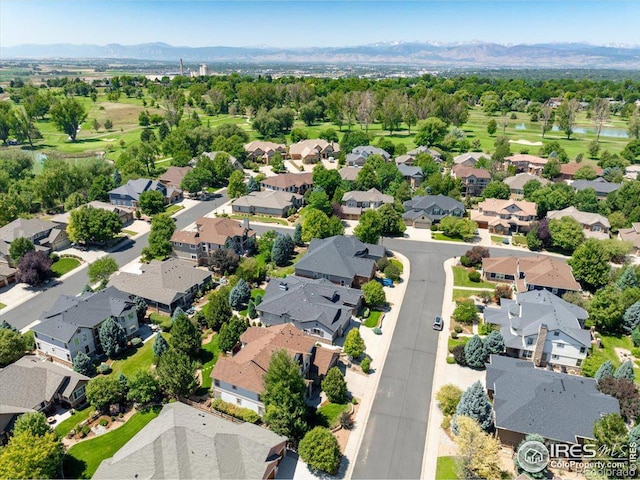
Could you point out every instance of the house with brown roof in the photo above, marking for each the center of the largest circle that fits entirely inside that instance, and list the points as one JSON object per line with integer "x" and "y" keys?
{"x": 631, "y": 235}
{"x": 45, "y": 235}
{"x": 505, "y": 216}
{"x": 260, "y": 151}
{"x": 349, "y": 174}
{"x": 288, "y": 182}
{"x": 174, "y": 175}
{"x": 474, "y": 180}
{"x": 313, "y": 150}
{"x": 568, "y": 170}
{"x": 125, "y": 214}
{"x": 267, "y": 202}
{"x": 517, "y": 182}
{"x": 531, "y": 273}
{"x": 239, "y": 379}
{"x": 594, "y": 225}
{"x": 523, "y": 162}
{"x": 356, "y": 202}
{"x": 198, "y": 243}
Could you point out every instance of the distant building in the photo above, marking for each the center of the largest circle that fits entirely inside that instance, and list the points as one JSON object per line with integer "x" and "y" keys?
{"x": 600, "y": 185}
{"x": 203, "y": 71}
{"x": 422, "y": 212}
{"x": 568, "y": 170}
{"x": 356, "y": 202}
{"x": 474, "y": 180}
{"x": 45, "y": 235}
{"x": 259, "y": 151}
{"x": 313, "y": 150}
{"x": 288, "y": 182}
{"x": 593, "y": 225}
{"x": 631, "y": 235}
{"x": 517, "y": 182}
{"x": 505, "y": 216}
{"x": 435, "y": 154}
{"x": 128, "y": 194}
{"x": 267, "y": 202}
{"x": 349, "y": 173}
{"x": 125, "y": 214}
{"x": 235, "y": 163}
{"x": 413, "y": 175}
{"x": 173, "y": 176}
{"x": 469, "y": 159}
{"x": 359, "y": 155}
{"x": 525, "y": 163}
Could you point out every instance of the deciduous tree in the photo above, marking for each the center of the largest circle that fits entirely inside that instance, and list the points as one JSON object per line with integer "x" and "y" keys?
{"x": 566, "y": 233}
{"x": 67, "y": 115}
{"x": 320, "y": 450}
{"x": 32, "y": 423}
{"x": 104, "y": 391}
{"x": 230, "y": 334}
{"x": 151, "y": 202}
{"x": 185, "y": 336}
{"x": 478, "y": 453}
{"x": 102, "y": 269}
{"x": 32, "y": 456}
{"x": 374, "y": 295}
{"x": 34, "y": 268}
{"x": 354, "y": 344}
{"x": 19, "y": 247}
{"x": 162, "y": 228}
{"x": 237, "y": 187}
{"x": 448, "y": 398}
{"x": 369, "y": 227}
{"x": 142, "y": 387}
{"x": 334, "y": 386}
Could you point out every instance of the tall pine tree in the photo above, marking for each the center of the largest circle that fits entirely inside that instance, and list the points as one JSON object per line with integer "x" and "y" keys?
{"x": 475, "y": 403}
{"x": 112, "y": 337}
{"x": 185, "y": 336}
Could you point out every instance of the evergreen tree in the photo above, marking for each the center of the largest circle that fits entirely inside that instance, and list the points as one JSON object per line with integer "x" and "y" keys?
{"x": 252, "y": 313}
{"x": 475, "y": 403}
{"x": 536, "y": 476}
{"x": 297, "y": 234}
{"x": 7, "y": 326}
{"x": 474, "y": 353}
{"x": 83, "y": 365}
{"x": 141, "y": 307}
{"x": 635, "y": 337}
{"x": 334, "y": 386}
{"x": 634, "y": 435}
{"x": 87, "y": 289}
{"x": 354, "y": 344}
{"x": 282, "y": 250}
{"x": 116, "y": 177}
{"x": 230, "y": 334}
{"x": 625, "y": 371}
{"x": 122, "y": 379}
{"x": 631, "y": 317}
{"x": 493, "y": 344}
{"x": 605, "y": 370}
{"x": 112, "y": 337}
{"x": 176, "y": 373}
{"x": 240, "y": 294}
{"x": 185, "y": 336}
{"x": 628, "y": 279}
{"x": 252, "y": 185}
{"x": 160, "y": 346}
{"x": 176, "y": 313}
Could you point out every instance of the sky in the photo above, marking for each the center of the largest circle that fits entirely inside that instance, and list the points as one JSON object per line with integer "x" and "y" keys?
{"x": 317, "y": 23}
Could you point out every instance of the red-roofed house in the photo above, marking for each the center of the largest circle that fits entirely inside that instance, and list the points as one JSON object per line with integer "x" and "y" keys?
{"x": 474, "y": 180}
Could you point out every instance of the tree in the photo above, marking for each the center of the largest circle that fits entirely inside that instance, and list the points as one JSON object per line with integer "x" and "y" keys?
{"x": 217, "y": 310}
{"x": 224, "y": 260}
{"x": 108, "y": 124}
{"x": 251, "y": 310}
{"x": 606, "y": 309}
{"x": 237, "y": 187}
{"x": 476, "y": 254}
{"x": 83, "y": 365}
{"x": 600, "y": 112}
{"x": 566, "y": 115}
{"x": 465, "y": 312}
{"x": 494, "y": 344}
{"x": 478, "y": 453}
{"x": 610, "y": 433}
{"x": 283, "y": 248}
{"x": 112, "y": 337}
{"x": 335, "y": 387}
{"x": 297, "y": 234}
{"x": 142, "y": 387}
{"x": 538, "y": 475}
{"x": 551, "y": 170}
{"x": 625, "y": 371}
{"x": 475, "y": 404}
{"x": 230, "y": 334}
{"x": 162, "y": 228}
{"x": 369, "y": 227}
{"x": 185, "y": 336}
{"x": 431, "y": 132}
{"x": 590, "y": 264}
{"x": 102, "y": 269}
{"x": 605, "y": 370}
{"x": 448, "y": 398}
{"x": 19, "y": 247}
{"x": 492, "y": 127}
{"x": 354, "y": 344}
{"x": 317, "y": 224}
{"x": 566, "y": 233}
{"x": 104, "y": 391}
{"x": 374, "y": 295}
{"x": 392, "y": 272}
{"x": 497, "y": 189}
{"x": 320, "y": 450}
{"x": 34, "y": 268}
{"x": 631, "y": 317}
{"x": 283, "y": 397}
{"x": 67, "y": 115}
{"x": 390, "y": 220}
{"x": 32, "y": 456}
{"x": 240, "y": 294}
{"x": 628, "y": 279}
{"x": 633, "y": 127}
{"x": 366, "y": 178}
{"x": 141, "y": 308}
{"x": 474, "y": 353}
{"x": 458, "y": 227}
{"x": 32, "y": 423}
{"x": 160, "y": 346}
{"x": 93, "y": 225}
{"x": 625, "y": 391}
{"x": 176, "y": 373}
{"x": 151, "y": 202}
{"x": 12, "y": 346}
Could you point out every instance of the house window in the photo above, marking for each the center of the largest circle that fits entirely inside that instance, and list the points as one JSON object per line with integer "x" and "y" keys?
{"x": 530, "y": 341}
{"x": 583, "y": 350}
{"x": 555, "y": 357}
{"x": 239, "y": 401}
{"x": 233, "y": 387}
{"x": 86, "y": 349}
{"x": 560, "y": 345}
{"x": 498, "y": 276}
{"x": 317, "y": 331}
{"x": 192, "y": 247}
{"x": 216, "y": 382}
{"x": 194, "y": 256}
{"x": 68, "y": 357}
{"x": 554, "y": 290}
{"x": 556, "y": 334}
{"x": 527, "y": 354}
{"x": 578, "y": 362}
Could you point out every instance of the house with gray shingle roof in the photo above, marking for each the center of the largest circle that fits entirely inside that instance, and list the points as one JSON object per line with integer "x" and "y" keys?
{"x": 539, "y": 326}
{"x": 600, "y": 185}
{"x": 73, "y": 323}
{"x": 33, "y": 384}
{"x": 267, "y": 202}
{"x": 413, "y": 175}
{"x": 359, "y": 155}
{"x": 343, "y": 260}
{"x": 435, "y": 154}
{"x": 593, "y": 225}
{"x": 317, "y": 307}
{"x": 469, "y": 159}
{"x": 184, "y": 443}
{"x": 560, "y": 407}
{"x": 517, "y": 182}
{"x": 356, "y": 202}
{"x": 422, "y": 211}
{"x": 129, "y": 193}
{"x": 45, "y": 235}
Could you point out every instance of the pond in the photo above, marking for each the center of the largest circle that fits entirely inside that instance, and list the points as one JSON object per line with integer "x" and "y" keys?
{"x": 605, "y": 132}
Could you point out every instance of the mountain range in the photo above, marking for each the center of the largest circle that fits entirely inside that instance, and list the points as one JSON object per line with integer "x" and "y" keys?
{"x": 461, "y": 55}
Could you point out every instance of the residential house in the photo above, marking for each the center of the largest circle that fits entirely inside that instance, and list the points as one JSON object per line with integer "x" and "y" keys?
{"x": 259, "y": 151}
{"x": 72, "y": 324}
{"x": 541, "y": 327}
{"x": 239, "y": 379}
{"x": 413, "y": 175}
{"x": 173, "y": 176}
{"x": 469, "y": 159}
{"x": 185, "y": 442}
{"x": 125, "y": 214}
{"x": 343, "y": 260}
{"x": 594, "y": 225}
{"x": 561, "y": 408}
{"x": 267, "y": 202}
{"x": 349, "y": 173}
{"x": 517, "y": 182}
{"x": 164, "y": 285}
{"x": 44, "y": 234}
{"x": 523, "y": 162}
{"x": 198, "y": 243}
{"x": 554, "y": 102}
{"x": 600, "y": 185}
{"x": 235, "y": 163}
{"x": 288, "y": 182}
{"x": 313, "y": 150}
{"x": 317, "y": 307}
{"x": 474, "y": 180}
{"x": 356, "y": 202}
{"x": 568, "y": 170}
{"x": 531, "y": 273}
{"x": 421, "y": 212}
{"x": 128, "y": 194}
{"x": 505, "y": 216}
{"x": 435, "y": 154}
{"x": 32, "y": 384}
{"x": 631, "y": 235}
{"x": 7, "y": 275}
{"x": 631, "y": 172}
{"x": 359, "y": 155}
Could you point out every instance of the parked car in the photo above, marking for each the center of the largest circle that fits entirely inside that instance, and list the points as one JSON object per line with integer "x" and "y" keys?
{"x": 438, "y": 323}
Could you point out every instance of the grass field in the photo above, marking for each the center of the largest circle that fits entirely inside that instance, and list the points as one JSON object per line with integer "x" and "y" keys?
{"x": 442, "y": 236}
{"x": 373, "y": 320}
{"x": 82, "y": 460}
{"x": 70, "y": 423}
{"x": 459, "y": 293}
{"x": 129, "y": 232}
{"x": 446, "y": 468}
{"x": 171, "y": 209}
{"x": 64, "y": 265}
{"x": 461, "y": 279}
{"x": 209, "y": 356}
{"x": 454, "y": 342}
{"x": 136, "y": 359}
{"x": 159, "y": 319}
{"x": 2, "y": 305}
{"x": 254, "y": 293}
{"x": 331, "y": 413}
{"x": 261, "y": 219}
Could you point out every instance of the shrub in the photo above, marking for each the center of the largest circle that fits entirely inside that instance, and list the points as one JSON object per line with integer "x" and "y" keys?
{"x": 465, "y": 262}
{"x": 104, "y": 422}
{"x": 366, "y": 365}
{"x": 635, "y": 352}
{"x": 458, "y": 329}
{"x": 136, "y": 342}
{"x": 446, "y": 423}
{"x": 104, "y": 368}
{"x": 475, "y": 255}
{"x": 502, "y": 291}
{"x": 451, "y": 360}
{"x": 448, "y": 397}
{"x": 392, "y": 272}
{"x": 346, "y": 421}
{"x": 465, "y": 312}
{"x": 319, "y": 449}
{"x": 474, "y": 276}
{"x": 635, "y": 337}
{"x": 383, "y": 263}
{"x": 334, "y": 386}
{"x": 454, "y": 334}
{"x": 486, "y": 328}
{"x": 245, "y": 414}
{"x": 458, "y": 355}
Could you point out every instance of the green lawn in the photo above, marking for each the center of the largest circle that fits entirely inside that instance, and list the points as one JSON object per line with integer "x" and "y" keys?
{"x": 64, "y": 265}
{"x": 136, "y": 359}
{"x": 446, "y": 468}
{"x": 495, "y": 239}
{"x": 261, "y": 219}
{"x": 331, "y": 413}
{"x": 171, "y": 209}
{"x": 519, "y": 240}
{"x": 290, "y": 267}
{"x": 254, "y": 293}
{"x": 397, "y": 263}
{"x": 373, "y": 319}
{"x": 461, "y": 279}
{"x": 129, "y": 232}
{"x": 209, "y": 356}
{"x": 454, "y": 342}
{"x": 442, "y": 236}
{"x": 82, "y": 460}
{"x": 2, "y": 305}
{"x": 463, "y": 293}
{"x": 159, "y": 319}
{"x": 70, "y": 423}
